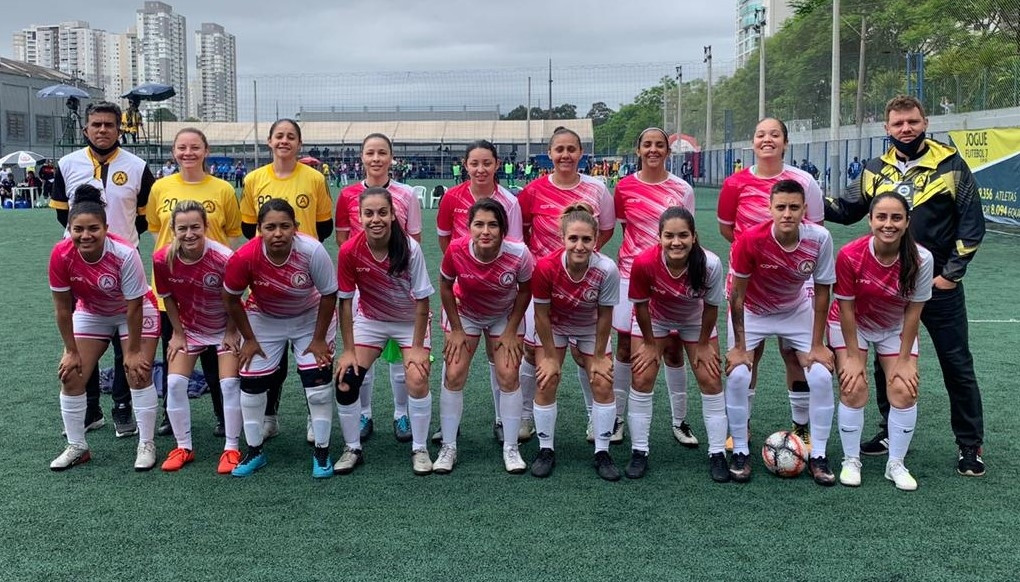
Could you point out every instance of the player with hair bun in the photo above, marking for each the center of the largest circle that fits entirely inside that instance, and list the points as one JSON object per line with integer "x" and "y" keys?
{"x": 105, "y": 274}
{"x": 574, "y": 290}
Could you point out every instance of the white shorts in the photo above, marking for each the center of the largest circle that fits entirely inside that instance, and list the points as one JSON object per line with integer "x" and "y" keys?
{"x": 623, "y": 311}
{"x": 196, "y": 343}
{"x": 529, "y": 324}
{"x": 494, "y": 326}
{"x": 584, "y": 343}
{"x": 104, "y": 327}
{"x": 886, "y": 344}
{"x": 793, "y": 328}
{"x": 689, "y": 334}
{"x": 370, "y": 333}
{"x": 273, "y": 333}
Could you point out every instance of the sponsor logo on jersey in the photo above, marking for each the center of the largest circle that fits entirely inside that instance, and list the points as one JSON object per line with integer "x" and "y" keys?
{"x": 303, "y": 200}
{"x": 107, "y": 282}
{"x": 768, "y": 266}
{"x": 212, "y": 280}
{"x": 120, "y": 177}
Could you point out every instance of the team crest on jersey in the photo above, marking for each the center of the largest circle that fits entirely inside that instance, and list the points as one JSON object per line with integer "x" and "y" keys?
{"x": 209, "y": 206}
{"x": 506, "y": 279}
{"x": 148, "y": 323}
{"x": 670, "y": 201}
{"x": 120, "y": 178}
{"x": 590, "y": 294}
{"x": 107, "y": 282}
{"x": 212, "y": 280}
{"x": 303, "y": 201}
{"x": 806, "y": 267}
{"x": 300, "y": 280}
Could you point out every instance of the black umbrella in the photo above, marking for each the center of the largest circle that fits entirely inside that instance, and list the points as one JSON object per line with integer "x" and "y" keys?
{"x": 151, "y": 92}
{"x": 61, "y": 91}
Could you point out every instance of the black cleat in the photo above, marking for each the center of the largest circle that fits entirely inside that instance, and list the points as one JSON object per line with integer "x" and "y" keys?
{"x": 605, "y": 467}
{"x": 740, "y": 468}
{"x": 543, "y": 464}
{"x": 717, "y": 467}
{"x": 969, "y": 463}
{"x": 638, "y": 465}
{"x": 819, "y": 468}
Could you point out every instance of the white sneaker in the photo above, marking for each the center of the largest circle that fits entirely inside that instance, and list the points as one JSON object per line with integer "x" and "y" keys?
{"x": 421, "y": 464}
{"x": 898, "y": 474}
{"x": 309, "y": 432}
{"x": 72, "y": 455}
{"x": 445, "y": 461}
{"x": 146, "y": 457}
{"x": 348, "y": 460}
{"x": 617, "y": 437}
{"x": 684, "y": 435}
{"x": 527, "y": 429}
{"x": 850, "y": 475}
{"x": 512, "y": 460}
{"x": 270, "y": 427}
{"x": 589, "y": 433}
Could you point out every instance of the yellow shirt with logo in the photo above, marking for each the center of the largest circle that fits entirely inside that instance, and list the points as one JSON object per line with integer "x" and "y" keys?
{"x": 305, "y": 189}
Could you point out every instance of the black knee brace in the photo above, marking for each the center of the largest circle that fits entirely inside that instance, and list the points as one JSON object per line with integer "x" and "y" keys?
{"x": 316, "y": 376}
{"x": 353, "y": 381}
{"x": 254, "y": 384}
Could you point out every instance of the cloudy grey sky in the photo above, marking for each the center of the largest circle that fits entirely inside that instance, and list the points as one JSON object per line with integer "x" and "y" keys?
{"x": 311, "y": 49}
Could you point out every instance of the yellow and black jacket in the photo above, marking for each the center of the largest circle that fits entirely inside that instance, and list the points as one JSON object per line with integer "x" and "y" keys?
{"x": 946, "y": 216}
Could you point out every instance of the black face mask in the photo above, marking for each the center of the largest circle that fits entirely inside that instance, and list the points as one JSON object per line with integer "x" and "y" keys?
{"x": 909, "y": 149}
{"x": 99, "y": 150}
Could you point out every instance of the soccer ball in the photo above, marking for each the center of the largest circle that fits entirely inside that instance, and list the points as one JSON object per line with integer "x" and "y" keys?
{"x": 784, "y": 454}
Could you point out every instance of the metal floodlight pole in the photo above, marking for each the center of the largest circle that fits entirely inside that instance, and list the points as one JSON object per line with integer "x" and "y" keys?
{"x": 527, "y": 129}
{"x": 255, "y": 121}
{"x": 834, "y": 164}
{"x": 759, "y": 25}
{"x": 679, "y": 113}
{"x": 708, "y": 103}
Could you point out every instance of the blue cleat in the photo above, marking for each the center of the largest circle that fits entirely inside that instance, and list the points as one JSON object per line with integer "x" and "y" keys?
{"x": 322, "y": 465}
{"x": 250, "y": 463}
{"x": 402, "y": 429}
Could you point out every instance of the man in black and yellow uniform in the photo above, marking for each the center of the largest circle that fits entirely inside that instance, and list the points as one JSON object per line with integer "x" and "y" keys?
{"x": 946, "y": 219}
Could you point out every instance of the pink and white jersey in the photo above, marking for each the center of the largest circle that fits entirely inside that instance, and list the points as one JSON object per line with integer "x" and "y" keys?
{"x": 671, "y": 300}
{"x": 486, "y": 290}
{"x": 197, "y": 288}
{"x": 778, "y": 276}
{"x": 383, "y": 297}
{"x": 574, "y": 305}
{"x": 744, "y": 198}
{"x": 286, "y": 290}
{"x": 452, "y": 220}
{"x": 542, "y": 203}
{"x": 104, "y": 287}
{"x": 639, "y": 205}
{"x": 875, "y": 288}
{"x": 405, "y": 206}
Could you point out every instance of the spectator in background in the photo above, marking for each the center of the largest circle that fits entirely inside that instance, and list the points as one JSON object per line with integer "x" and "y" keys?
{"x": 854, "y": 170}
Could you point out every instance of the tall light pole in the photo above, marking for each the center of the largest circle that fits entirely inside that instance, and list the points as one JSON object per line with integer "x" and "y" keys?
{"x": 679, "y": 115}
{"x": 759, "y": 27}
{"x": 834, "y": 164}
{"x": 708, "y": 102}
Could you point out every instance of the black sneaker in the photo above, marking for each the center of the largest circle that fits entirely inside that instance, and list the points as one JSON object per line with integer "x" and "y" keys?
{"x": 219, "y": 430}
{"x": 124, "y": 421}
{"x": 94, "y": 419}
{"x": 497, "y": 431}
{"x": 165, "y": 428}
{"x": 819, "y": 468}
{"x": 877, "y": 446}
{"x": 969, "y": 463}
{"x": 605, "y": 467}
{"x": 638, "y": 465}
{"x": 740, "y": 468}
{"x": 717, "y": 467}
{"x": 543, "y": 464}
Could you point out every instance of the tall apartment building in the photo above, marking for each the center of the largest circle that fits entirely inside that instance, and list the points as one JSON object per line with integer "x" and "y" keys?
{"x": 776, "y": 13}
{"x": 122, "y": 64}
{"x": 162, "y": 53}
{"x": 38, "y": 45}
{"x": 216, "y": 62}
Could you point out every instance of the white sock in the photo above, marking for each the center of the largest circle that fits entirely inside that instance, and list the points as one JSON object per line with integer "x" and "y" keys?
{"x": 901, "y": 430}
{"x": 639, "y": 419}
{"x": 676, "y": 383}
{"x": 510, "y": 404}
{"x": 420, "y": 410}
{"x": 822, "y": 407}
{"x": 365, "y": 393}
{"x": 320, "y": 408}
{"x": 253, "y": 414}
{"x": 622, "y": 378}
{"x": 750, "y": 401}
{"x": 738, "y": 407}
{"x": 145, "y": 402}
{"x": 527, "y": 389}
{"x": 713, "y": 411}
{"x": 72, "y": 411}
{"x": 398, "y": 383}
{"x": 451, "y": 408}
{"x": 603, "y": 420}
{"x": 178, "y": 410}
{"x": 350, "y": 424}
{"x": 582, "y": 379}
{"x": 231, "y": 388}
{"x": 851, "y": 423}
{"x": 494, "y": 384}
{"x": 800, "y": 406}
{"x": 545, "y": 424}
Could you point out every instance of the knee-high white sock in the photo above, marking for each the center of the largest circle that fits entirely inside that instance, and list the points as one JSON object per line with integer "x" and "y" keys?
{"x": 713, "y": 411}
{"x": 231, "y": 388}
{"x": 851, "y": 423}
{"x": 145, "y": 402}
{"x": 738, "y": 384}
{"x": 510, "y": 404}
{"x": 420, "y": 411}
{"x": 545, "y": 424}
{"x": 494, "y": 384}
{"x": 253, "y": 414}
{"x": 398, "y": 384}
{"x": 178, "y": 409}
{"x": 800, "y": 406}
{"x": 639, "y": 419}
{"x": 72, "y": 411}
{"x": 527, "y": 376}
{"x": 822, "y": 407}
{"x": 365, "y": 393}
{"x": 320, "y": 408}
{"x": 350, "y": 423}
{"x": 622, "y": 378}
{"x": 901, "y": 430}
{"x": 582, "y": 379}
{"x": 676, "y": 383}
{"x": 451, "y": 408}
{"x": 603, "y": 420}
{"x": 750, "y": 401}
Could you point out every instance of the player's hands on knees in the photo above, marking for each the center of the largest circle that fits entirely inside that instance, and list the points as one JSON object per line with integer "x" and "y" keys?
{"x": 70, "y": 365}
{"x": 249, "y": 349}
{"x": 547, "y": 372}
{"x": 232, "y": 343}
{"x": 456, "y": 346}
{"x": 417, "y": 358}
{"x": 851, "y": 374}
{"x": 320, "y": 350}
{"x": 136, "y": 366}
{"x": 600, "y": 366}
{"x": 706, "y": 355}
{"x": 738, "y": 357}
{"x": 905, "y": 371}
{"x": 512, "y": 347}
{"x": 346, "y": 361}
{"x": 647, "y": 354}
{"x": 818, "y": 355}
{"x": 175, "y": 347}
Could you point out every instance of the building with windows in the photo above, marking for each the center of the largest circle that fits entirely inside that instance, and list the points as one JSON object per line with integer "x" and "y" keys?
{"x": 216, "y": 63}
{"x": 777, "y": 12}
{"x": 162, "y": 53}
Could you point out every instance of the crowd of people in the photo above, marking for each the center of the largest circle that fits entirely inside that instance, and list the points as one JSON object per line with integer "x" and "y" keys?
{"x": 524, "y": 276}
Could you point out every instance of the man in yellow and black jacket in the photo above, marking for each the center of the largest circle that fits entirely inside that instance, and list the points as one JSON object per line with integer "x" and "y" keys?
{"x": 945, "y": 218}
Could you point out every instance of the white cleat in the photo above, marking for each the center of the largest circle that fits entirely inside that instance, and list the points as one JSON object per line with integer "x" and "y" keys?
{"x": 898, "y": 474}
{"x": 850, "y": 474}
